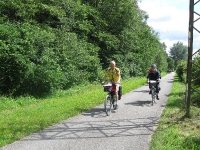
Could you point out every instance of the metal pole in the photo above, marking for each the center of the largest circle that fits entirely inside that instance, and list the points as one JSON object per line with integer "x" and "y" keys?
{"x": 190, "y": 52}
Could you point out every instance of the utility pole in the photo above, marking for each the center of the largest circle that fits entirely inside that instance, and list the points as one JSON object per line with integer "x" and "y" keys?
{"x": 190, "y": 54}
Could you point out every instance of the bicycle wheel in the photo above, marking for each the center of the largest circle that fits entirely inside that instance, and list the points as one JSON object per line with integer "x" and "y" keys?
{"x": 153, "y": 96}
{"x": 107, "y": 105}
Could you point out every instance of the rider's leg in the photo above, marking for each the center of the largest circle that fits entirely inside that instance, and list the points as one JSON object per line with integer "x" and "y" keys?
{"x": 116, "y": 92}
{"x": 149, "y": 89}
{"x": 157, "y": 91}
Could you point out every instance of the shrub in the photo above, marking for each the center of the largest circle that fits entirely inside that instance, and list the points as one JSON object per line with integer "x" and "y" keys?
{"x": 181, "y": 70}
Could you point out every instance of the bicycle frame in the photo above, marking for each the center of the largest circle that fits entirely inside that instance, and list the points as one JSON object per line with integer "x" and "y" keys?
{"x": 110, "y": 98}
{"x": 153, "y": 90}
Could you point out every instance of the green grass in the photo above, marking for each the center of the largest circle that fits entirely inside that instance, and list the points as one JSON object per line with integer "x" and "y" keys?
{"x": 25, "y": 115}
{"x": 175, "y": 131}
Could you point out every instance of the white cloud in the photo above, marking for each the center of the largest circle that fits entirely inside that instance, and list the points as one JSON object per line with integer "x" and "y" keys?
{"x": 171, "y": 19}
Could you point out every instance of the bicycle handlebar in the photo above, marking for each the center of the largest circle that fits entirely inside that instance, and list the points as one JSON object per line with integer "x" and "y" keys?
{"x": 153, "y": 81}
{"x": 110, "y": 83}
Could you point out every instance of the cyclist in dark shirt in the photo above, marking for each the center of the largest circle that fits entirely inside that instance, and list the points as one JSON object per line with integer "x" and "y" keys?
{"x": 154, "y": 74}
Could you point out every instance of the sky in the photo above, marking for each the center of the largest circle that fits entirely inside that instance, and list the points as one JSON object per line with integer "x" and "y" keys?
{"x": 170, "y": 18}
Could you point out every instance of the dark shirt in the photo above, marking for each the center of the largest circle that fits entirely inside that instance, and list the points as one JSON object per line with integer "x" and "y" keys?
{"x": 154, "y": 75}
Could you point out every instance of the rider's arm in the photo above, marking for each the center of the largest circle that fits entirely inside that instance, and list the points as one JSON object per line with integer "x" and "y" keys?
{"x": 105, "y": 76}
{"x": 148, "y": 78}
{"x": 119, "y": 75}
{"x": 119, "y": 78}
{"x": 103, "y": 80}
{"x": 159, "y": 76}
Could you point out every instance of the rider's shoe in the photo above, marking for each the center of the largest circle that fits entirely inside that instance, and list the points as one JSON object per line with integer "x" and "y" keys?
{"x": 150, "y": 92}
{"x": 115, "y": 106}
{"x": 157, "y": 97}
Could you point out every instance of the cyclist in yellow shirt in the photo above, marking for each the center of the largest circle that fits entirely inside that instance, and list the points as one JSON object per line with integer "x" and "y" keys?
{"x": 114, "y": 77}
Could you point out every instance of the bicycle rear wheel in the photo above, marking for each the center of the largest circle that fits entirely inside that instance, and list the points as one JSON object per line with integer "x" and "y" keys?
{"x": 107, "y": 105}
{"x": 153, "y": 96}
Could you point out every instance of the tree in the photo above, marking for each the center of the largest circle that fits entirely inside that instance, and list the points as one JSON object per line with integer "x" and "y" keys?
{"x": 56, "y": 44}
{"x": 178, "y": 52}
{"x": 181, "y": 70}
{"x": 196, "y": 82}
{"x": 170, "y": 62}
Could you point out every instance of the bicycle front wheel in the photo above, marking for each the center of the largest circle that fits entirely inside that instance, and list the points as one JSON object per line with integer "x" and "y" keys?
{"x": 153, "y": 96}
{"x": 107, "y": 105}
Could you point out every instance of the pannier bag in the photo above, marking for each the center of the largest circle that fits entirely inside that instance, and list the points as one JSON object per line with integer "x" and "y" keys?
{"x": 120, "y": 92}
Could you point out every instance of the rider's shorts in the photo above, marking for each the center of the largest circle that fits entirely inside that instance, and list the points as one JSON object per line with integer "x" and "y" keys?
{"x": 117, "y": 85}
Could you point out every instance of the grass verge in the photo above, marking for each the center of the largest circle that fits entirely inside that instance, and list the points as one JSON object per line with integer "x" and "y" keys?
{"x": 25, "y": 115}
{"x": 175, "y": 131}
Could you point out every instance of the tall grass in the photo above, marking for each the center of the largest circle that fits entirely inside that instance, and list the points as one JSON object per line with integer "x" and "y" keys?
{"x": 175, "y": 131}
{"x": 25, "y": 115}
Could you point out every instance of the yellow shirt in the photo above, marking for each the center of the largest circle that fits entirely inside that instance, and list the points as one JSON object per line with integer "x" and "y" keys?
{"x": 113, "y": 74}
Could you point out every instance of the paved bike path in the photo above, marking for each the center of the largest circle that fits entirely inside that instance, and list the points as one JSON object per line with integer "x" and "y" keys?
{"x": 128, "y": 128}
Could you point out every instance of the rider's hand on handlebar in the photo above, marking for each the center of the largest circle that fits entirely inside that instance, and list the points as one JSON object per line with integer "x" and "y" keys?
{"x": 102, "y": 82}
{"x": 158, "y": 80}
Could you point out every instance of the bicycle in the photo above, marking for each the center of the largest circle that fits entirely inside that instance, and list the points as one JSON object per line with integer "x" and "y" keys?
{"x": 153, "y": 90}
{"x": 110, "y": 98}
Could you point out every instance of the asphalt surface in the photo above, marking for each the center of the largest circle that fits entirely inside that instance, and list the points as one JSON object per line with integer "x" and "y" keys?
{"x": 128, "y": 128}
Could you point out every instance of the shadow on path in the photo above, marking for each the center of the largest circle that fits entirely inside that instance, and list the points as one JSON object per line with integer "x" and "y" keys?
{"x": 143, "y": 91}
{"x": 97, "y": 129}
{"x": 140, "y": 103}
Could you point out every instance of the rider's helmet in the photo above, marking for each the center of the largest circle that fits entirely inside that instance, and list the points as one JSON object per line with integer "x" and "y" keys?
{"x": 153, "y": 66}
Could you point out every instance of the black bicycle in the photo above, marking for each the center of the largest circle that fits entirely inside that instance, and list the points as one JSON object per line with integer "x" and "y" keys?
{"x": 152, "y": 84}
{"x": 110, "y": 98}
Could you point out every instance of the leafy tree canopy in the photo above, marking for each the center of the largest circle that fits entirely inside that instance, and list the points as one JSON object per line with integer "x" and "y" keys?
{"x": 178, "y": 52}
{"x": 51, "y": 45}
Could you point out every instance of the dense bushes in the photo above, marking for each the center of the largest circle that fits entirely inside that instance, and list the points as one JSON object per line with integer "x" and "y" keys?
{"x": 196, "y": 70}
{"x": 196, "y": 79}
{"x": 34, "y": 62}
{"x": 182, "y": 70}
{"x": 57, "y": 44}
